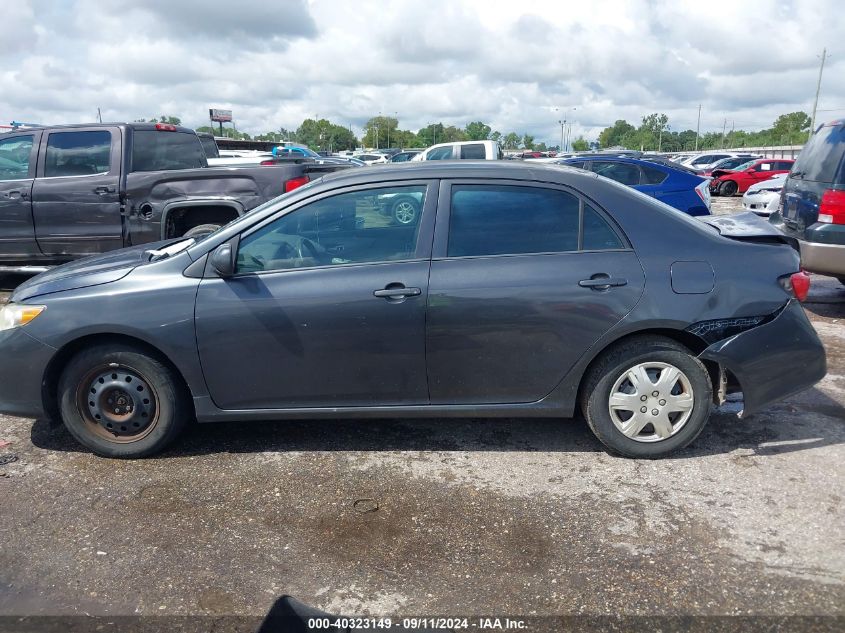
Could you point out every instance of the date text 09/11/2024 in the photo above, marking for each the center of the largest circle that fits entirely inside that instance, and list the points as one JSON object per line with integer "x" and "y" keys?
{"x": 411, "y": 624}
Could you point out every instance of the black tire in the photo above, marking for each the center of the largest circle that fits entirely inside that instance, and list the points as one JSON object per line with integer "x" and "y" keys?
{"x": 405, "y": 210}
{"x": 149, "y": 388}
{"x": 728, "y": 188}
{"x": 201, "y": 230}
{"x": 613, "y": 365}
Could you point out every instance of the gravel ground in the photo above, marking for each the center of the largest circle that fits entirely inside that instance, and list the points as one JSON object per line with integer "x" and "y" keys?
{"x": 440, "y": 516}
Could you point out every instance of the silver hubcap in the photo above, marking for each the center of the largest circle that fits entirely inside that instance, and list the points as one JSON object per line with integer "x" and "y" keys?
{"x": 405, "y": 212}
{"x": 651, "y": 402}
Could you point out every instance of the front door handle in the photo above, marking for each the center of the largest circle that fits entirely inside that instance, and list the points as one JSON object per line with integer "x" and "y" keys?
{"x": 602, "y": 282}
{"x": 396, "y": 291}
{"x": 103, "y": 190}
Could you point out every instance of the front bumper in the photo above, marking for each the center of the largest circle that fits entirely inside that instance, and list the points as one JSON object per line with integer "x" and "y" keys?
{"x": 23, "y": 361}
{"x": 774, "y": 360}
{"x": 761, "y": 203}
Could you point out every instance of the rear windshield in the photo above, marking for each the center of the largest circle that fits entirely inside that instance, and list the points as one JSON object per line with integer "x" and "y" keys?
{"x": 158, "y": 150}
{"x": 821, "y": 158}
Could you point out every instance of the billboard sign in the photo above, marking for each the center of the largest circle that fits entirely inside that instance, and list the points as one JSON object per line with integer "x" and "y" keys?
{"x": 221, "y": 116}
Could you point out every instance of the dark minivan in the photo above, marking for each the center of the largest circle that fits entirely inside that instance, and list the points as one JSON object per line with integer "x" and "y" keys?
{"x": 812, "y": 206}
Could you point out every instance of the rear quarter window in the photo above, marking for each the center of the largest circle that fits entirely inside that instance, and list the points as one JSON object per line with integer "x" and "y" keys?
{"x": 822, "y": 156}
{"x": 156, "y": 150}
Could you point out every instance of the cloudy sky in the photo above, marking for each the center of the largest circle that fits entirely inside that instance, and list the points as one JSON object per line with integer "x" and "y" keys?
{"x": 516, "y": 65}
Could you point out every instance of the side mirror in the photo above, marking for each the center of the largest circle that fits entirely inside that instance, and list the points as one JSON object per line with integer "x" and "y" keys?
{"x": 223, "y": 260}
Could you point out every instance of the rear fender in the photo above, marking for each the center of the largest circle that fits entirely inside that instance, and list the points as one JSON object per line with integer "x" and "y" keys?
{"x": 774, "y": 360}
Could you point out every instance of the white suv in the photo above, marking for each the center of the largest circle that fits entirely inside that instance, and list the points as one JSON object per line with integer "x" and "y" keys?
{"x": 467, "y": 150}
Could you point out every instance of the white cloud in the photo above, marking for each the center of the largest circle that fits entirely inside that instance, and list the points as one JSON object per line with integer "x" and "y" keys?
{"x": 506, "y": 63}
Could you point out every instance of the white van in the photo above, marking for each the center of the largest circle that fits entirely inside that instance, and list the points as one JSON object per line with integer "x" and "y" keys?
{"x": 467, "y": 150}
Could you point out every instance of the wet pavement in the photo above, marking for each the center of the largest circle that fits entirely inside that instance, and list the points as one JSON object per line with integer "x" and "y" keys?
{"x": 451, "y": 517}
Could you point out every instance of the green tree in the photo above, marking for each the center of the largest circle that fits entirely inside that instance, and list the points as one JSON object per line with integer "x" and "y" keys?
{"x": 613, "y": 135}
{"x": 496, "y": 136}
{"x": 511, "y": 140}
{"x": 477, "y": 131}
{"x": 528, "y": 141}
{"x": 793, "y": 127}
{"x": 580, "y": 144}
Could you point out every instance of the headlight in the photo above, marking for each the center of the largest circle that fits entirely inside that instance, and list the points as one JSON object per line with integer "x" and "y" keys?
{"x": 14, "y": 315}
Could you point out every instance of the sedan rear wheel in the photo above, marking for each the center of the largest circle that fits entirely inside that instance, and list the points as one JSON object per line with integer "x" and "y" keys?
{"x": 121, "y": 402}
{"x": 647, "y": 397}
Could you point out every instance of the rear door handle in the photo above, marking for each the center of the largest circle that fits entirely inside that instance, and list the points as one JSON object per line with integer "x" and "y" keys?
{"x": 602, "y": 282}
{"x": 397, "y": 291}
{"x": 103, "y": 189}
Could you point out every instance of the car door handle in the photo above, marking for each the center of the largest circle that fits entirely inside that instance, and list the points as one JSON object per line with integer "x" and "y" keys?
{"x": 103, "y": 190}
{"x": 397, "y": 291}
{"x": 14, "y": 194}
{"x": 602, "y": 282}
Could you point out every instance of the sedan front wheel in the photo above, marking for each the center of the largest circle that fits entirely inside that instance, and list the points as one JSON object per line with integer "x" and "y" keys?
{"x": 121, "y": 402}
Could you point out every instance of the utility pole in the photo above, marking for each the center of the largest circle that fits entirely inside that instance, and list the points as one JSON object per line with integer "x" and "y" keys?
{"x": 818, "y": 88}
{"x": 561, "y": 135}
{"x": 724, "y": 127}
{"x": 697, "y": 127}
{"x": 99, "y": 116}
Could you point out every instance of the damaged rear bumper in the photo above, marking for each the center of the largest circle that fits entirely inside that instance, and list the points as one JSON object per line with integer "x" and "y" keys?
{"x": 774, "y": 360}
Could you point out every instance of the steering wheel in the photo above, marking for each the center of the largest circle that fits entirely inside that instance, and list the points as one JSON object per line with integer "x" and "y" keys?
{"x": 307, "y": 248}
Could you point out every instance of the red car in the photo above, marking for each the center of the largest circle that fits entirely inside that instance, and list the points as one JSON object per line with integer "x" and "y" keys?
{"x": 727, "y": 182}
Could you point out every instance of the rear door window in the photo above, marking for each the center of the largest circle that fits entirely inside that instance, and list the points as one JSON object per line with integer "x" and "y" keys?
{"x": 652, "y": 175}
{"x": 514, "y": 220}
{"x": 473, "y": 151}
{"x": 625, "y": 173}
{"x": 14, "y": 157}
{"x": 159, "y": 150}
{"x": 77, "y": 153}
{"x": 822, "y": 157}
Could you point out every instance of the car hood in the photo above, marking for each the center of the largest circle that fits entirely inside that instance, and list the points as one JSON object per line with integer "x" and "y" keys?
{"x": 90, "y": 271}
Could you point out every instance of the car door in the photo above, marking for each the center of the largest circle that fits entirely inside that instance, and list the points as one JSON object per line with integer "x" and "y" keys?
{"x": 524, "y": 279}
{"x": 75, "y": 198}
{"x": 326, "y": 309}
{"x": 18, "y": 154}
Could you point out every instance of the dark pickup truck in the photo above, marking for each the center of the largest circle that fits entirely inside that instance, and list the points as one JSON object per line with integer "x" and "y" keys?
{"x": 71, "y": 191}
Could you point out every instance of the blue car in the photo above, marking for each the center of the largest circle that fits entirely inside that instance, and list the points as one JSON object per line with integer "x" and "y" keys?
{"x": 676, "y": 186}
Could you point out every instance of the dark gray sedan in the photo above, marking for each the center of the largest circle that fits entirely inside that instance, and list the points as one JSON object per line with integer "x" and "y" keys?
{"x": 514, "y": 290}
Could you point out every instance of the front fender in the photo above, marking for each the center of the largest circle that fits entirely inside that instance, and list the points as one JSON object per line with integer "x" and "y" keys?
{"x": 774, "y": 360}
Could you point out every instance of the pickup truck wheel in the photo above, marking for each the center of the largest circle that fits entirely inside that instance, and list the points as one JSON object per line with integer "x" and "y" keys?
{"x": 120, "y": 402}
{"x": 647, "y": 398}
{"x": 201, "y": 230}
{"x": 728, "y": 188}
{"x": 405, "y": 210}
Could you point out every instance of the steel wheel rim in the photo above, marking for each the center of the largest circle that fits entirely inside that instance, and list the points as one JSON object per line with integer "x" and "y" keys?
{"x": 651, "y": 402}
{"x": 117, "y": 403}
{"x": 404, "y": 212}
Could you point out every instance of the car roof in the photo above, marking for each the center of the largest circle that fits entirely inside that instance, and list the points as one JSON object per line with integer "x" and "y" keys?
{"x": 463, "y": 169}
{"x": 136, "y": 126}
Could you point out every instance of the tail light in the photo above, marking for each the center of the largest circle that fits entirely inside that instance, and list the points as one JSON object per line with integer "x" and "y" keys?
{"x": 703, "y": 191}
{"x": 832, "y": 207}
{"x": 295, "y": 183}
{"x": 796, "y": 284}
{"x": 269, "y": 161}
{"x": 165, "y": 127}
